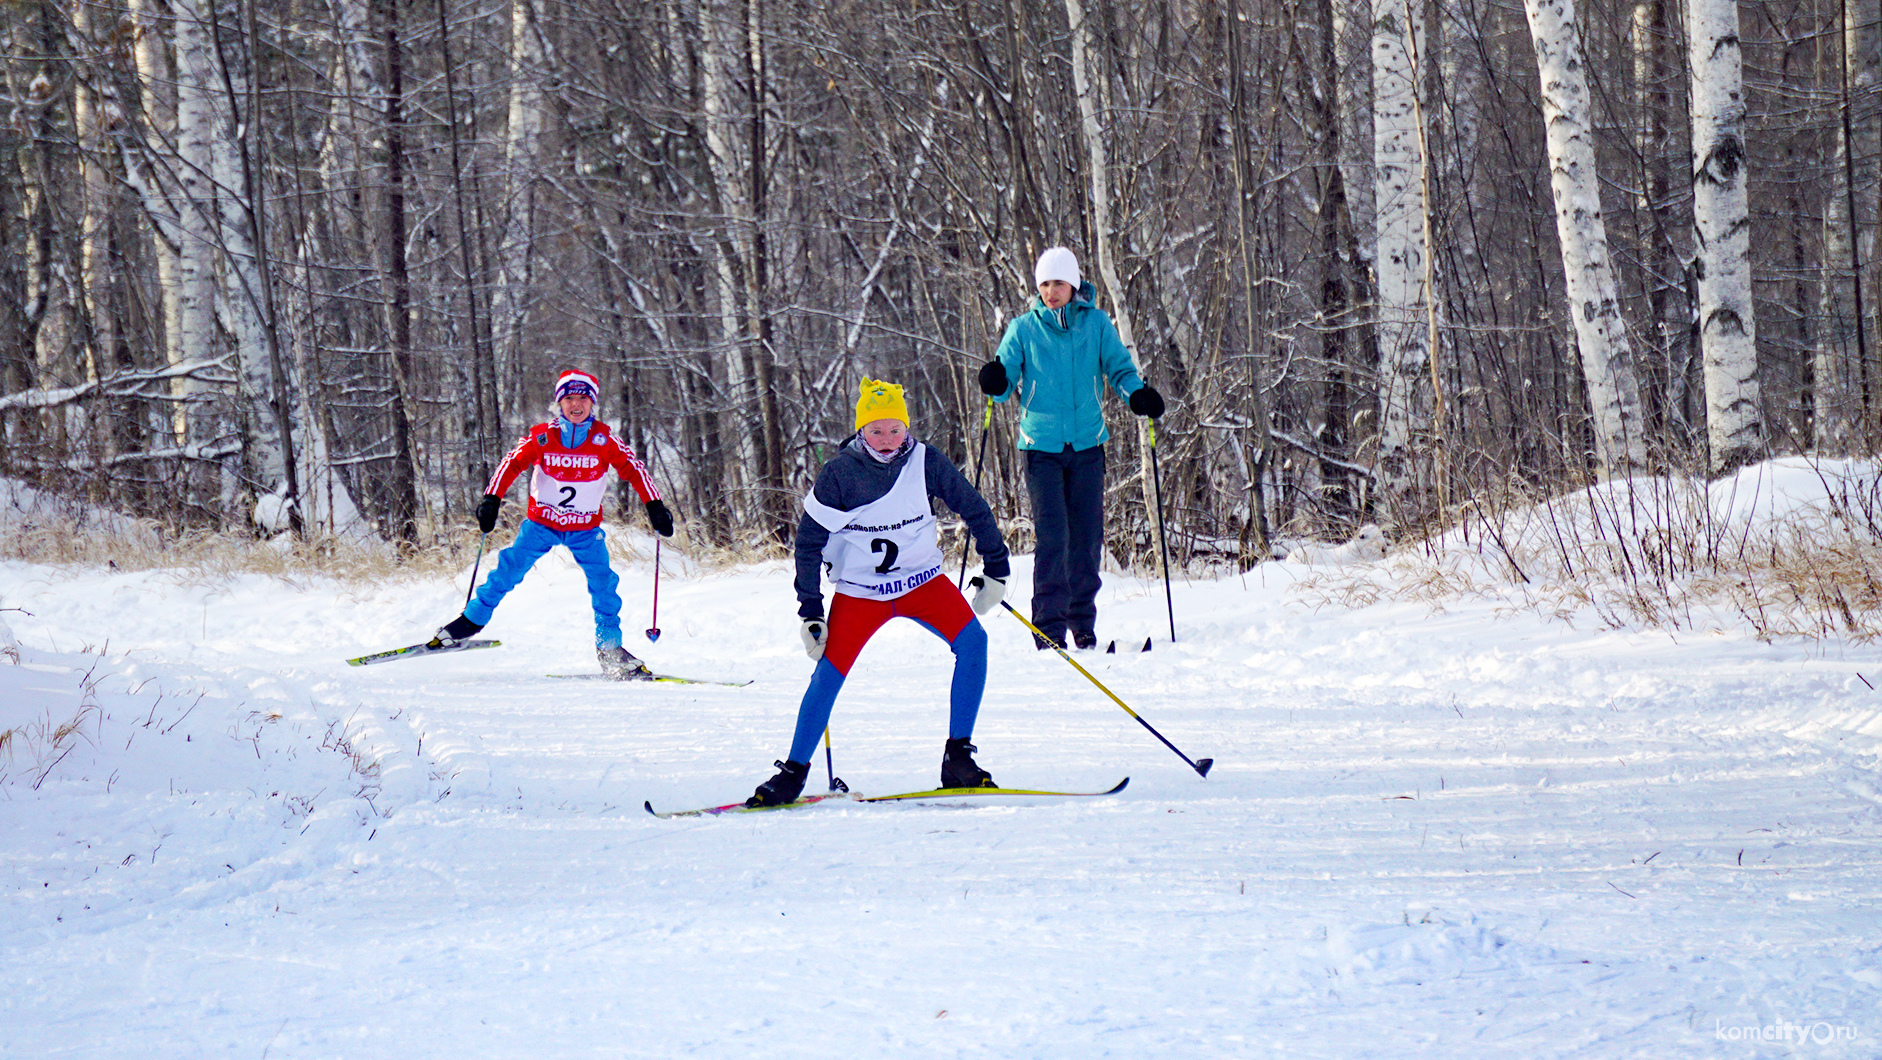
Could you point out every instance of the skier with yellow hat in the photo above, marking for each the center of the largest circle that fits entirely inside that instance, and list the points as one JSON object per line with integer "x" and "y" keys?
{"x": 869, "y": 521}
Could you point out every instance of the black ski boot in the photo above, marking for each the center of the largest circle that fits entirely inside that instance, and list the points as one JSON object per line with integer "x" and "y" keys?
{"x": 618, "y": 663}
{"x": 1084, "y": 639}
{"x": 958, "y": 769}
{"x": 783, "y": 788}
{"x": 453, "y": 633}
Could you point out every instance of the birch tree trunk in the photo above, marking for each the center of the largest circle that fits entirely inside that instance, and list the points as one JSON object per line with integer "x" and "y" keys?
{"x": 1594, "y": 303}
{"x": 196, "y": 340}
{"x": 1400, "y": 207}
{"x": 1722, "y": 228}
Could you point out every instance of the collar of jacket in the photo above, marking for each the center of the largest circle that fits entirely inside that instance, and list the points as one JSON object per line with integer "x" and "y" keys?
{"x": 574, "y": 434}
{"x": 1061, "y": 318}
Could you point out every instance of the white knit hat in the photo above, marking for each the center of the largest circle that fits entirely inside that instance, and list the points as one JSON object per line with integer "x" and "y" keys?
{"x": 1057, "y": 264}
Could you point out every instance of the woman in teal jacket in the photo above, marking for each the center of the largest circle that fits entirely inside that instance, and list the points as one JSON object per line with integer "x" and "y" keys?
{"x": 1059, "y": 357}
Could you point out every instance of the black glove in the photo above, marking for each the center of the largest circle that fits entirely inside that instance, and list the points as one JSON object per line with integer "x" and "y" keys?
{"x": 487, "y": 512}
{"x": 993, "y": 381}
{"x": 1145, "y": 401}
{"x": 659, "y": 518}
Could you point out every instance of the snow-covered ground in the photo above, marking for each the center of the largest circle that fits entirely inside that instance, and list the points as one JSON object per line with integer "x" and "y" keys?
{"x": 1470, "y": 833}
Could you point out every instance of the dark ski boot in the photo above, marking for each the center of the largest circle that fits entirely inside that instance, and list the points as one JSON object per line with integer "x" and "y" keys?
{"x": 783, "y": 788}
{"x": 958, "y": 769}
{"x": 453, "y": 633}
{"x": 1084, "y": 639}
{"x": 618, "y": 663}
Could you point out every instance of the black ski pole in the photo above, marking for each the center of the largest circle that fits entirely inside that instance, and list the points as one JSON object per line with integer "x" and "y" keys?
{"x": 1200, "y": 766}
{"x": 980, "y": 464}
{"x": 1156, "y": 482}
{"x": 478, "y": 562}
{"x": 653, "y": 628}
{"x": 829, "y": 763}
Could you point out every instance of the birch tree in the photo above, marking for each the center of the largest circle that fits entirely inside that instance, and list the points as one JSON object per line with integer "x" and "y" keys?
{"x": 1722, "y": 231}
{"x": 1607, "y": 357}
{"x": 1400, "y": 265}
{"x": 195, "y": 340}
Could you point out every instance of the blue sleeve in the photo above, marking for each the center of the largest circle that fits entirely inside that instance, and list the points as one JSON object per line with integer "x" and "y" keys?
{"x": 946, "y": 482}
{"x": 1012, "y": 356}
{"x": 1116, "y": 362}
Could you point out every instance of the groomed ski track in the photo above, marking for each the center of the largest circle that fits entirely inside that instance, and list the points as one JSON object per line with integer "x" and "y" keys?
{"x": 1425, "y": 836}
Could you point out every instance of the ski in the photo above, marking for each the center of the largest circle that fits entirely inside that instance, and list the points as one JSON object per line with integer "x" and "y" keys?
{"x": 415, "y": 650}
{"x": 906, "y": 796}
{"x": 1111, "y": 649}
{"x": 739, "y": 807}
{"x": 670, "y": 679}
{"x": 959, "y": 793}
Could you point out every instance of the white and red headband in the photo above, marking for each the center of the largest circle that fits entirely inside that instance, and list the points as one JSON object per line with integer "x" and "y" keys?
{"x": 576, "y": 381}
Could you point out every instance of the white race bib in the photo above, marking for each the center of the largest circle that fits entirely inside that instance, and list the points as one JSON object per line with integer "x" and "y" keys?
{"x": 887, "y": 547}
{"x": 567, "y": 498}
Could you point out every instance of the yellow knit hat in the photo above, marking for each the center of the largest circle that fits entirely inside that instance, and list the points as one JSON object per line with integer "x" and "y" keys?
{"x": 880, "y": 401}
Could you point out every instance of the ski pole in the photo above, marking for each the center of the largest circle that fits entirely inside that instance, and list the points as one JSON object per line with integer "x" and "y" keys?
{"x": 478, "y": 562}
{"x": 980, "y": 464}
{"x": 1156, "y": 482}
{"x": 829, "y": 763}
{"x": 653, "y": 630}
{"x": 1201, "y": 767}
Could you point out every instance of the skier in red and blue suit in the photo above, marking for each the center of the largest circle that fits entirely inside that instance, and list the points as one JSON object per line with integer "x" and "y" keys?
{"x": 570, "y": 457}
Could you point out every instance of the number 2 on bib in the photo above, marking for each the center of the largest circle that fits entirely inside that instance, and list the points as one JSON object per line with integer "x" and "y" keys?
{"x": 883, "y": 544}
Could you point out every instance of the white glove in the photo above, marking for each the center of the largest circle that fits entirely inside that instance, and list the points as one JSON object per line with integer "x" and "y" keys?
{"x": 814, "y": 631}
{"x": 988, "y": 591}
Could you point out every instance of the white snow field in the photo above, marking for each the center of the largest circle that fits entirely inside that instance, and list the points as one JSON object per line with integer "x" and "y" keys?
{"x": 1470, "y": 833}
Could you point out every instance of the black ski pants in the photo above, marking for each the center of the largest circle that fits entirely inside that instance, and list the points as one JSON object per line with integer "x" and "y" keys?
{"x": 1067, "y": 490}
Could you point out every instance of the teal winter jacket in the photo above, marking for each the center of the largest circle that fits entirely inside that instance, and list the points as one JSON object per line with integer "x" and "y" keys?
{"x": 1059, "y": 362}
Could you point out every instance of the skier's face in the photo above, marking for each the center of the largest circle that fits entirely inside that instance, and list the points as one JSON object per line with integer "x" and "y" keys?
{"x": 1055, "y": 293}
{"x": 884, "y": 436}
{"x": 577, "y": 407}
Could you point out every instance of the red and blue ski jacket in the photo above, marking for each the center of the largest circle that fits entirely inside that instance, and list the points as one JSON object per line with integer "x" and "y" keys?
{"x": 570, "y": 461}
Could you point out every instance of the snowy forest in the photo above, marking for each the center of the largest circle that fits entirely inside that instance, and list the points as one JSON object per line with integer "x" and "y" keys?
{"x": 299, "y": 266}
